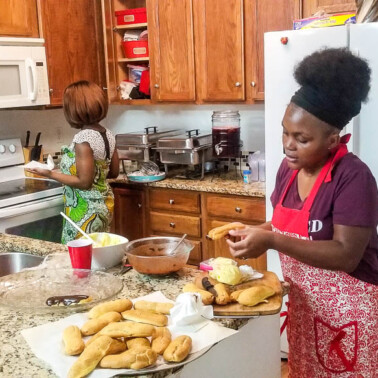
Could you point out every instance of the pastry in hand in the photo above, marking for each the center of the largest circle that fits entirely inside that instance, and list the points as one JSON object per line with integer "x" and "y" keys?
{"x": 221, "y": 231}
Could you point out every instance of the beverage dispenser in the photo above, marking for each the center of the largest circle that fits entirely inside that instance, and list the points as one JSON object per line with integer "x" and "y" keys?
{"x": 226, "y": 133}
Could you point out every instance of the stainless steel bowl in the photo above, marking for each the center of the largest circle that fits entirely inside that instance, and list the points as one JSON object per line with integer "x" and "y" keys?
{"x": 14, "y": 262}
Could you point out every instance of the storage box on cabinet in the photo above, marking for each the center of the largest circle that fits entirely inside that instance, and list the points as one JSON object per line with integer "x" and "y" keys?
{"x": 175, "y": 200}
{"x": 251, "y": 210}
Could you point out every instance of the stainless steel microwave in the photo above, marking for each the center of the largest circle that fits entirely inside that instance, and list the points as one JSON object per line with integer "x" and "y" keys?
{"x": 23, "y": 73}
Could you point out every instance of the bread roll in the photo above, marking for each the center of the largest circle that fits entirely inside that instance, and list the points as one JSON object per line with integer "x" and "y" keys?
{"x": 160, "y": 339}
{"x": 73, "y": 342}
{"x": 137, "y": 342}
{"x": 118, "y": 305}
{"x": 156, "y": 307}
{"x": 221, "y": 231}
{"x": 222, "y": 297}
{"x": 147, "y": 317}
{"x": 116, "y": 346}
{"x": 178, "y": 349}
{"x": 127, "y": 329}
{"x": 235, "y": 295}
{"x": 92, "y": 326}
{"x": 207, "y": 297}
{"x": 137, "y": 358}
{"x": 255, "y": 295}
{"x": 90, "y": 357}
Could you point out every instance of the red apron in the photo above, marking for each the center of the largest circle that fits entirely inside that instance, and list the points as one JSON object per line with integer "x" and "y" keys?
{"x": 333, "y": 318}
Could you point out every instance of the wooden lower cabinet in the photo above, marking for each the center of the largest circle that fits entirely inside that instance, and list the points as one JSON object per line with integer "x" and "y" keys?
{"x": 220, "y": 209}
{"x": 144, "y": 211}
{"x": 129, "y": 212}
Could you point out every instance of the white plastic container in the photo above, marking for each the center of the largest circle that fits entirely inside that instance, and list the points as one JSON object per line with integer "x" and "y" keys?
{"x": 253, "y": 162}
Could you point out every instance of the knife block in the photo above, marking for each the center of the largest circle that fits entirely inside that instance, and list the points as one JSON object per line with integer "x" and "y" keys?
{"x": 27, "y": 153}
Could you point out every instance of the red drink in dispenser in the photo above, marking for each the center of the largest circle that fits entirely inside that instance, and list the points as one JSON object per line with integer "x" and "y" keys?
{"x": 226, "y": 133}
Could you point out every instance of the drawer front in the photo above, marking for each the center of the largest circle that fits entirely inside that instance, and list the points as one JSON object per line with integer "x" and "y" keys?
{"x": 251, "y": 210}
{"x": 175, "y": 200}
{"x": 175, "y": 224}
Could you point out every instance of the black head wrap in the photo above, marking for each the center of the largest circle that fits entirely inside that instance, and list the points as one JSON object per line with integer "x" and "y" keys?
{"x": 325, "y": 108}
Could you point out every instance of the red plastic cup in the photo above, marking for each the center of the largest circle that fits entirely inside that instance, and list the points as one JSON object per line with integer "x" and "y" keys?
{"x": 80, "y": 253}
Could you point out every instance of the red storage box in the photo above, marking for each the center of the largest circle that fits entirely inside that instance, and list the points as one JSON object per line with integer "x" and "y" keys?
{"x": 131, "y": 16}
{"x": 135, "y": 49}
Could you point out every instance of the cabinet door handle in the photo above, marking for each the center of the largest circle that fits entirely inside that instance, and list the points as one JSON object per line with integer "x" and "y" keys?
{"x": 156, "y": 85}
{"x": 238, "y": 209}
{"x": 253, "y": 84}
{"x": 171, "y": 201}
{"x": 172, "y": 225}
{"x": 237, "y": 84}
{"x": 139, "y": 205}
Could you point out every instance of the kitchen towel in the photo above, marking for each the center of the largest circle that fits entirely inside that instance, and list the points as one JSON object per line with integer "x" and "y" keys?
{"x": 35, "y": 164}
{"x": 46, "y": 342}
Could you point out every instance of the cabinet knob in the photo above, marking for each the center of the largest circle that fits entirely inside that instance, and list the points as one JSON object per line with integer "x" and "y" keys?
{"x": 104, "y": 88}
{"x": 156, "y": 85}
{"x": 238, "y": 209}
{"x": 139, "y": 205}
{"x": 171, "y": 201}
{"x": 172, "y": 225}
{"x": 51, "y": 90}
{"x": 237, "y": 84}
{"x": 253, "y": 84}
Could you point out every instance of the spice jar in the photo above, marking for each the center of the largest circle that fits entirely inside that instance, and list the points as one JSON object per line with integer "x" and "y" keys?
{"x": 226, "y": 133}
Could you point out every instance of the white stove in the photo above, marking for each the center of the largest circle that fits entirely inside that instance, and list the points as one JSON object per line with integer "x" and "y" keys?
{"x": 28, "y": 206}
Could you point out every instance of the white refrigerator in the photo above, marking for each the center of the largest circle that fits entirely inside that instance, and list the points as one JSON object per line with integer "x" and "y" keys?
{"x": 283, "y": 50}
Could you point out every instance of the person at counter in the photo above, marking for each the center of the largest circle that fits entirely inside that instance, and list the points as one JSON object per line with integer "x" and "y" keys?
{"x": 324, "y": 224}
{"x": 87, "y": 162}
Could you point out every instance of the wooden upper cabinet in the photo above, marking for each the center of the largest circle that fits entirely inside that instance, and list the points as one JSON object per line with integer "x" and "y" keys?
{"x": 19, "y": 18}
{"x": 310, "y": 7}
{"x": 263, "y": 16}
{"x": 170, "y": 30}
{"x": 74, "y": 43}
{"x": 219, "y": 48}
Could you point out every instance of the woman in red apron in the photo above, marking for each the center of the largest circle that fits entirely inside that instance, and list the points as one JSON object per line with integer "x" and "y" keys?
{"x": 325, "y": 225}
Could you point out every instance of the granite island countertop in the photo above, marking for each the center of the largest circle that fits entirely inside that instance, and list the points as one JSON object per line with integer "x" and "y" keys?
{"x": 213, "y": 183}
{"x": 17, "y": 359}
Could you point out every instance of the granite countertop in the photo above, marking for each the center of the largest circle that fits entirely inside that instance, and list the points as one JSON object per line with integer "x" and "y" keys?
{"x": 213, "y": 183}
{"x": 17, "y": 359}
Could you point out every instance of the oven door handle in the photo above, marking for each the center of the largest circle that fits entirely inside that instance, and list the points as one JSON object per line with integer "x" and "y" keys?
{"x": 28, "y": 207}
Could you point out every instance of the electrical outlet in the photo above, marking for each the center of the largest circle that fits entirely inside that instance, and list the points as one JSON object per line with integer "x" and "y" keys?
{"x": 59, "y": 134}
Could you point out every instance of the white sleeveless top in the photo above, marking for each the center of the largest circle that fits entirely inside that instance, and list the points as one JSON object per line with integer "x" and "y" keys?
{"x": 96, "y": 142}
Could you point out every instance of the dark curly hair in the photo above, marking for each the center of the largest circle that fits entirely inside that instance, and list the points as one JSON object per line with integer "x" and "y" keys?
{"x": 342, "y": 77}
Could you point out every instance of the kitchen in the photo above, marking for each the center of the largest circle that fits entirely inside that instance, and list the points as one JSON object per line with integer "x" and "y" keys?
{"x": 166, "y": 108}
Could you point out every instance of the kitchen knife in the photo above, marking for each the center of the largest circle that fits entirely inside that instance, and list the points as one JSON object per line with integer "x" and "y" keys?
{"x": 209, "y": 286}
{"x": 36, "y": 150}
{"x": 27, "y": 139}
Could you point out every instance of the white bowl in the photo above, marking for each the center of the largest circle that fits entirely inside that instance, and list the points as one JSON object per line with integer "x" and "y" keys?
{"x": 110, "y": 255}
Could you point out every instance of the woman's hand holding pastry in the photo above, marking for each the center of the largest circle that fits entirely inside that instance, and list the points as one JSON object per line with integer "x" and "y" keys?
{"x": 39, "y": 171}
{"x": 254, "y": 242}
